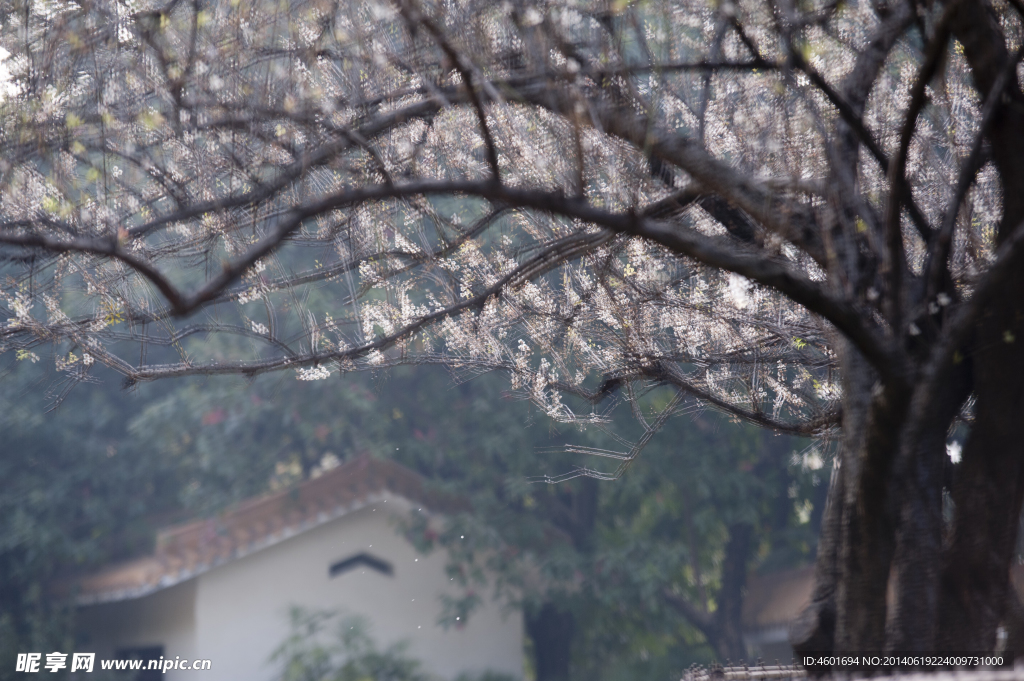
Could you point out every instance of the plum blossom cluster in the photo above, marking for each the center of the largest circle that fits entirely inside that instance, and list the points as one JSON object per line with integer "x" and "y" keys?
{"x": 492, "y": 186}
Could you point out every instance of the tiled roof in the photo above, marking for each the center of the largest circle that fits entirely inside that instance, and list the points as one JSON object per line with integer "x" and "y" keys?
{"x": 187, "y": 550}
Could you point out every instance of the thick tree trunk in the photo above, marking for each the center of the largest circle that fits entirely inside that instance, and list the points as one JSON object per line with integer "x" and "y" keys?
{"x": 843, "y": 614}
{"x": 551, "y": 630}
{"x": 989, "y": 487}
{"x": 855, "y": 554}
{"x": 1013, "y": 620}
{"x": 912, "y": 616}
{"x": 882, "y": 558}
{"x": 872, "y": 416}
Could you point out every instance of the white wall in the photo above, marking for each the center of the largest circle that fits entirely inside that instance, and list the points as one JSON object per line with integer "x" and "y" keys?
{"x": 241, "y": 608}
{"x": 165, "y": 618}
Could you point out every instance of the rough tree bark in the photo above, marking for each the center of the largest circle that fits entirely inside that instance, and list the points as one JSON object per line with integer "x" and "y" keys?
{"x": 989, "y": 487}
{"x": 848, "y": 606}
{"x": 885, "y": 578}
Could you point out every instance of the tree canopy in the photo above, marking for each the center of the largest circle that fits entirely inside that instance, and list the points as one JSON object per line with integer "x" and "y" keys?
{"x": 807, "y": 215}
{"x": 634, "y": 573}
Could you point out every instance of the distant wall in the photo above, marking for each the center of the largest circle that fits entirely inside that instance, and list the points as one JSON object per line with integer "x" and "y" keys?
{"x": 165, "y": 618}
{"x": 237, "y": 614}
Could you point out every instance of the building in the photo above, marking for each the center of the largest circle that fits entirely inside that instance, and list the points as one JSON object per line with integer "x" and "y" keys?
{"x": 771, "y": 604}
{"x": 221, "y": 589}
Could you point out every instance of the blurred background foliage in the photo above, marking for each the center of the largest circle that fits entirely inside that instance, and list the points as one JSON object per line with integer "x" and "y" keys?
{"x": 329, "y": 646}
{"x": 90, "y": 481}
{"x": 325, "y": 645}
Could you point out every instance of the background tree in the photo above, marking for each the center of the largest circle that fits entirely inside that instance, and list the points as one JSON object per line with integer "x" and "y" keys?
{"x": 76, "y": 493}
{"x": 805, "y": 215}
{"x": 90, "y": 482}
{"x": 566, "y": 553}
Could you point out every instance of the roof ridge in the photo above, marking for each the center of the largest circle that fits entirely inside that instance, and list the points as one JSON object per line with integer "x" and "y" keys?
{"x": 188, "y": 549}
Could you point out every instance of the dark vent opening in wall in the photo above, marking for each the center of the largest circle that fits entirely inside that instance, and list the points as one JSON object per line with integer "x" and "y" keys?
{"x": 361, "y": 559}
